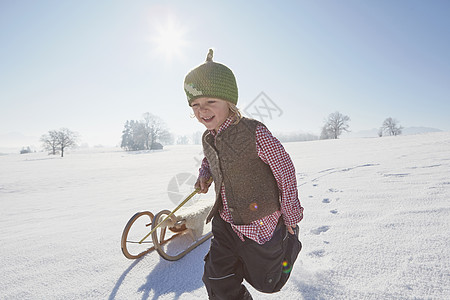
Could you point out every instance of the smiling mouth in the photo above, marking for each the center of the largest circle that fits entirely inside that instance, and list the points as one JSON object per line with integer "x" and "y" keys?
{"x": 208, "y": 119}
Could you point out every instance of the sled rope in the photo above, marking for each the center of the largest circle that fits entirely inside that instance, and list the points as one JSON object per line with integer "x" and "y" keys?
{"x": 175, "y": 210}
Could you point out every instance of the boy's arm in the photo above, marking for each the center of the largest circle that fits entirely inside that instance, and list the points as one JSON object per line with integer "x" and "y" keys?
{"x": 273, "y": 153}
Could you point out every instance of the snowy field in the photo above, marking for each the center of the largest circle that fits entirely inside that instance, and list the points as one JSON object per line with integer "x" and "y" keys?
{"x": 376, "y": 226}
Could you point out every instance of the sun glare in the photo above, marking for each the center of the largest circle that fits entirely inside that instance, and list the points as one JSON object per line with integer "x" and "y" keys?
{"x": 169, "y": 40}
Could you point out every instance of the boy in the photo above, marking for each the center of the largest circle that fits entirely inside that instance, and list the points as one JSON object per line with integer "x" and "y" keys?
{"x": 256, "y": 211}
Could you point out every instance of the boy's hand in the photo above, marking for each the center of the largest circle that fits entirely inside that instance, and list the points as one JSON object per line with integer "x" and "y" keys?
{"x": 202, "y": 184}
{"x": 291, "y": 229}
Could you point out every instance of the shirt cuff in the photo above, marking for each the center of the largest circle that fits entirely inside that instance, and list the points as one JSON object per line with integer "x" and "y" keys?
{"x": 294, "y": 217}
{"x": 204, "y": 173}
{"x": 204, "y": 170}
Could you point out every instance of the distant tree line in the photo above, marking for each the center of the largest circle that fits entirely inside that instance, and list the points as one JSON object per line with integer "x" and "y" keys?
{"x": 56, "y": 141}
{"x": 150, "y": 133}
{"x": 296, "y": 137}
{"x": 336, "y": 123}
{"x": 195, "y": 138}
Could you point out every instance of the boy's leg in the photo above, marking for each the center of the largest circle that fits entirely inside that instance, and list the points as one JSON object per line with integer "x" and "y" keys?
{"x": 263, "y": 264}
{"x": 223, "y": 273}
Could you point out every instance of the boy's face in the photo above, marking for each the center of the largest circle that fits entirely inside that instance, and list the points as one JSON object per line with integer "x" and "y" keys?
{"x": 211, "y": 112}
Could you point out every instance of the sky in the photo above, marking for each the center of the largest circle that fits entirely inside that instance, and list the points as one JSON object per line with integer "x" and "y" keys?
{"x": 92, "y": 65}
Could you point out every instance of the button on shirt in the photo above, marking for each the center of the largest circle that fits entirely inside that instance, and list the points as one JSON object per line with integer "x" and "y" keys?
{"x": 272, "y": 153}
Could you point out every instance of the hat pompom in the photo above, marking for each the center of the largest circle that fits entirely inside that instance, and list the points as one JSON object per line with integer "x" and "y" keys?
{"x": 209, "y": 57}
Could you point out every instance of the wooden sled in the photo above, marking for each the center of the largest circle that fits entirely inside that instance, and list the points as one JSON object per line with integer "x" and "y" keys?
{"x": 187, "y": 224}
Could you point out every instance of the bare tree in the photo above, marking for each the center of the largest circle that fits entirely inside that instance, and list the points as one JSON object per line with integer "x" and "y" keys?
{"x": 155, "y": 130}
{"x": 166, "y": 138}
{"x": 145, "y": 134}
{"x": 390, "y": 127}
{"x": 148, "y": 128}
{"x": 59, "y": 140}
{"x": 66, "y": 139}
{"x": 50, "y": 141}
{"x": 335, "y": 124}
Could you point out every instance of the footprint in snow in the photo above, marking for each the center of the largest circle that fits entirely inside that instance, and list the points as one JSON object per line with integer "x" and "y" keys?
{"x": 326, "y": 200}
{"x": 396, "y": 175}
{"x": 320, "y": 229}
{"x": 334, "y": 211}
{"x": 317, "y": 253}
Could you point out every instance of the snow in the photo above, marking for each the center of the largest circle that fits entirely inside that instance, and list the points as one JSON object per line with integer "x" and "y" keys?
{"x": 376, "y": 222}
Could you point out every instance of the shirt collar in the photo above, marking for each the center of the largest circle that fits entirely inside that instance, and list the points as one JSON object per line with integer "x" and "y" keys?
{"x": 222, "y": 127}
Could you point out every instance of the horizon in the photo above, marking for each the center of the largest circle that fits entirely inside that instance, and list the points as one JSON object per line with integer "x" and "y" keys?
{"x": 283, "y": 136}
{"x": 90, "y": 67}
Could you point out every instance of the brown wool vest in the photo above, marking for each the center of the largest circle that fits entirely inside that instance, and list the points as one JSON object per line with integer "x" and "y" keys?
{"x": 251, "y": 189}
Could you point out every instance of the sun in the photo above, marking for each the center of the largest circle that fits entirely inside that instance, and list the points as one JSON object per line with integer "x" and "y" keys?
{"x": 170, "y": 39}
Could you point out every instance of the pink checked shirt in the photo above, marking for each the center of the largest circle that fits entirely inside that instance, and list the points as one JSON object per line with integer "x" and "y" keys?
{"x": 272, "y": 153}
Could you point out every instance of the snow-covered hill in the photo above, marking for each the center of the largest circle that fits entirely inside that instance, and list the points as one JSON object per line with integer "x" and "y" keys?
{"x": 376, "y": 226}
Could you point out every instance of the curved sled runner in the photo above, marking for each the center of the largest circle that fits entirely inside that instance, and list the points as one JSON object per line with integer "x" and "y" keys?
{"x": 189, "y": 223}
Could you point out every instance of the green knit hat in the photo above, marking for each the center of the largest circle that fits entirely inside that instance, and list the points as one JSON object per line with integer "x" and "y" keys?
{"x": 211, "y": 79}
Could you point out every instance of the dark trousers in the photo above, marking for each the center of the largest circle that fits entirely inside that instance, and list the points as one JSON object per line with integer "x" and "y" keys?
{"x": 266, "y": 267}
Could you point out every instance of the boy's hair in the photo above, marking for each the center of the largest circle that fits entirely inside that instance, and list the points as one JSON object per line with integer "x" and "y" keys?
{"x": 235, "y": 112}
